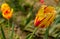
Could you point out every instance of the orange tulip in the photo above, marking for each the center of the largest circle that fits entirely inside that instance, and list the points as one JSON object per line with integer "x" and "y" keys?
{"x": 45, "y": 16}
{"x": 6, "y": 11}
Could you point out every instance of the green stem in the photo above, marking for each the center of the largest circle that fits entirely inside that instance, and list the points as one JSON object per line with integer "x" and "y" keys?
{"x": 3, "y": 34}
{"x": 8, "y": 28}
{"x": 8, "y": 23}
{"x": 33, "y": 33}
{"x": 11, "y": 37}
{"x": 47, "y": 33}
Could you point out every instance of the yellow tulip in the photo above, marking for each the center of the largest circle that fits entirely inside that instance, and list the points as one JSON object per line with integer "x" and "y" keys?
{"x": 45, "y": 16}
{"x": 6, "y": 11}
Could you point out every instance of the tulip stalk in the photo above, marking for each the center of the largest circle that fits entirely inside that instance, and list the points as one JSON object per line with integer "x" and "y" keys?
{"x": 33, "y": 33}
{"x": 8, "y": 28}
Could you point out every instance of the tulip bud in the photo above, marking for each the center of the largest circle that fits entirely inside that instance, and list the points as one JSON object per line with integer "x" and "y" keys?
{"x": 45, "y": 16}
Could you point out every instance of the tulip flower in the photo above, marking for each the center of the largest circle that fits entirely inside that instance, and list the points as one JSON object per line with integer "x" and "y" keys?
{"x": 6, "y": 11}
{"x": 42, "y": 1}
{"x": 45, "y": 16}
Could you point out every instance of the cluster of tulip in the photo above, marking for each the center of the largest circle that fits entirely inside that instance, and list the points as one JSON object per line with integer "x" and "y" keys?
{"x": 44, "y": 17}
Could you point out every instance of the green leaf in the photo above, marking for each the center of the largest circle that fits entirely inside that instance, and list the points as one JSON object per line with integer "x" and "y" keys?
{"x": 32, "y": 34}
{"x": 29, "y": 27}
{"x": 57, "y": 37}
{"x": 11, "y": 37}
{"x": 3, "y": 34}
{"x": 28, "y": 18}
{"x": 58, "y": 10}
{"x": 57, "y": 20}
{"x": 47, "y": 33}
{"x": 1, "y": 21}
{"x": 28, "y": 36}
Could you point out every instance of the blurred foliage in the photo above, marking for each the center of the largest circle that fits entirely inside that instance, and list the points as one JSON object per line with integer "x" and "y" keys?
{"x": 15, "y": 4}
{"x": 23, "y": 18}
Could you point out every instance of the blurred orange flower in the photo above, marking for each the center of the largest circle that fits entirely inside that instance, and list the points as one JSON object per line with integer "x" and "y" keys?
{"x": 6, "y": 11}
{"x": 45, "y": 16}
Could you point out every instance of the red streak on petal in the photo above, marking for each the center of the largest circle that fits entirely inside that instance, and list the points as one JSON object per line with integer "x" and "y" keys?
{"x": 38, "y": 22}
{"x": 42, "y": 26}
{"x": 50, "y": 18}
{"x": 50, "y": 22}
{"x": 45, "y": 10}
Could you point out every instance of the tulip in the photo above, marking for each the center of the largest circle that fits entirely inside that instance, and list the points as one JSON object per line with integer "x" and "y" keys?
{"x": 6, "y": 11}
{"x": 45, "y": 16}
{"x": 42, "y": 1}
{"x": 7, "y": 14}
